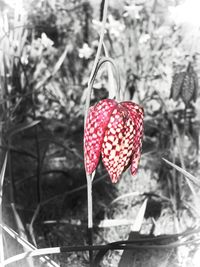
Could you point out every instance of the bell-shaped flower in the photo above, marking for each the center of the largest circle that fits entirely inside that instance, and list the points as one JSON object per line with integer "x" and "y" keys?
{"x": 113, "y": 131}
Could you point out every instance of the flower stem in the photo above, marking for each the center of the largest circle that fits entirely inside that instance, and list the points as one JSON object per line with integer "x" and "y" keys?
{"x": 89, "y": 197}
{"x": 90, "y": 217}
{"x": 87, "y": 105}
{"x": 100, "y": 44}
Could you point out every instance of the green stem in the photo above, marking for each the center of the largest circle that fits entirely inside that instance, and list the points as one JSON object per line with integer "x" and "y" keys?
{"x": 89, "y": 197}
{"x": 90, "y": 217}
{"x": 116, "y": 72}
{"x": 87, "y": 104}
{"x": 38, "y": 168}
{"x": 11, "y": 178}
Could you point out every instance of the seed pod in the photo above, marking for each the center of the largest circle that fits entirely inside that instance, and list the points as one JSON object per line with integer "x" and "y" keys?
{"x": 177, "y": 83}
{"x": 187, "y": 89}
{"x": 196, "y": 83}
{"x": 190, "y": 86}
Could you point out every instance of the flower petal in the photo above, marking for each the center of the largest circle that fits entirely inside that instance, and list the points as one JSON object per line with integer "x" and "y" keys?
{"x": 96, "y": 123}
{"x": 137, "y": 115}
{"x": 117, "y": 145}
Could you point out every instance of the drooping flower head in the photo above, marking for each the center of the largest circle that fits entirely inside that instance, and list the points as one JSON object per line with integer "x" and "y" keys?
{"x": 113, "y": 131}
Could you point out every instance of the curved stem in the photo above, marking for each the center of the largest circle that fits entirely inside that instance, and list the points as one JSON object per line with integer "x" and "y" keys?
{"x": 118, "y": 96}
{"x": 87, "y": 104}
{"x": 100, "y": 63}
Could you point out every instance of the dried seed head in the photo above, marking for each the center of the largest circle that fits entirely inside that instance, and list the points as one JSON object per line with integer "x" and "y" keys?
{"x": 185, "y": 85}
{"x": 190, "y": 86}
{"x": 177, "y": 83}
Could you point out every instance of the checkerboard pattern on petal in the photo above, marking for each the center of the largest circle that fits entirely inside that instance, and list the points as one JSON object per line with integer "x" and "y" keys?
{"x": 117, "y": 145}
{"x": 96, "y": 123}
{"x": 137, "y": 115}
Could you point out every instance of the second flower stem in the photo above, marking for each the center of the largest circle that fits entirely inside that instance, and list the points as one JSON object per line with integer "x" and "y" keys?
{"x": 90, "y": 216}
{"x": 87, "y": 105}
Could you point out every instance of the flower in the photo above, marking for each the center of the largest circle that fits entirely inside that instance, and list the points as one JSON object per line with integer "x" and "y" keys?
{"x": 85, "y": 51}
{"x": 46, "y": 41}
{"x": 113, "y": 131}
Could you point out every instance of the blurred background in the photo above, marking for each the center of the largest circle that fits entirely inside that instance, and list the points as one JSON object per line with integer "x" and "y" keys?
{"x": 47, "y": 50}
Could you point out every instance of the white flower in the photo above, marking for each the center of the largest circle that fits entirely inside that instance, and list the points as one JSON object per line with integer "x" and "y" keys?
{"x": 115, "y": 27}
{"x": 85, "y": 51}
{"x": 46, "y": 41}
{"x": 144, "y": 38}
{"x": 133, "y": 11}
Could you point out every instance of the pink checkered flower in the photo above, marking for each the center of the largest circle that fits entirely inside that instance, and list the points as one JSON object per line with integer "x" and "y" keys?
{"x": 113, "y": 131}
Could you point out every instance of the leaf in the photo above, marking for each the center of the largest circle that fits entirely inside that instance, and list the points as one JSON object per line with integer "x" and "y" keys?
{"x": 21, "y": 229}
{"x": 32, "y": 253}
{"x": 185, "y": 173}
{"x": 27, "y": 245}
{"x": 55, "y": 70}
{"x": 114, "y": 222}
{"x": 31, "y": 230}
{"x": 60, "y": 61}
{"x": 2, "y": 176}
{"x": 20, "y": 226}
{"x": 131, "y": 194}
{"x": 140, "y": 217}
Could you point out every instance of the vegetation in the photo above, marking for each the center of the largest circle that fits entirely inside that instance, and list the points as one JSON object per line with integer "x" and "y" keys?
{"x": 47, "y": 51}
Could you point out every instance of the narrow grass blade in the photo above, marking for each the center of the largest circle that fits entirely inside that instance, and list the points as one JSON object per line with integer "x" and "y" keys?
{"x": 21, "y": 127}
{"x": 31, "y": 229}
{"x": 27, "y": 245}
{"x": 19, "y": 223}
{"x": 21, "y": 229}
{"x": 33, "y": 253}
{"x": 131, "y": 194}
{"x": 55, "y": 70}
{"x": 184, "y": 172}
{"x": 60, "y": 61}
{"x": 140, "y": 217}
{"x": 2, "y": 176}
{"x": 114, "y": 222}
